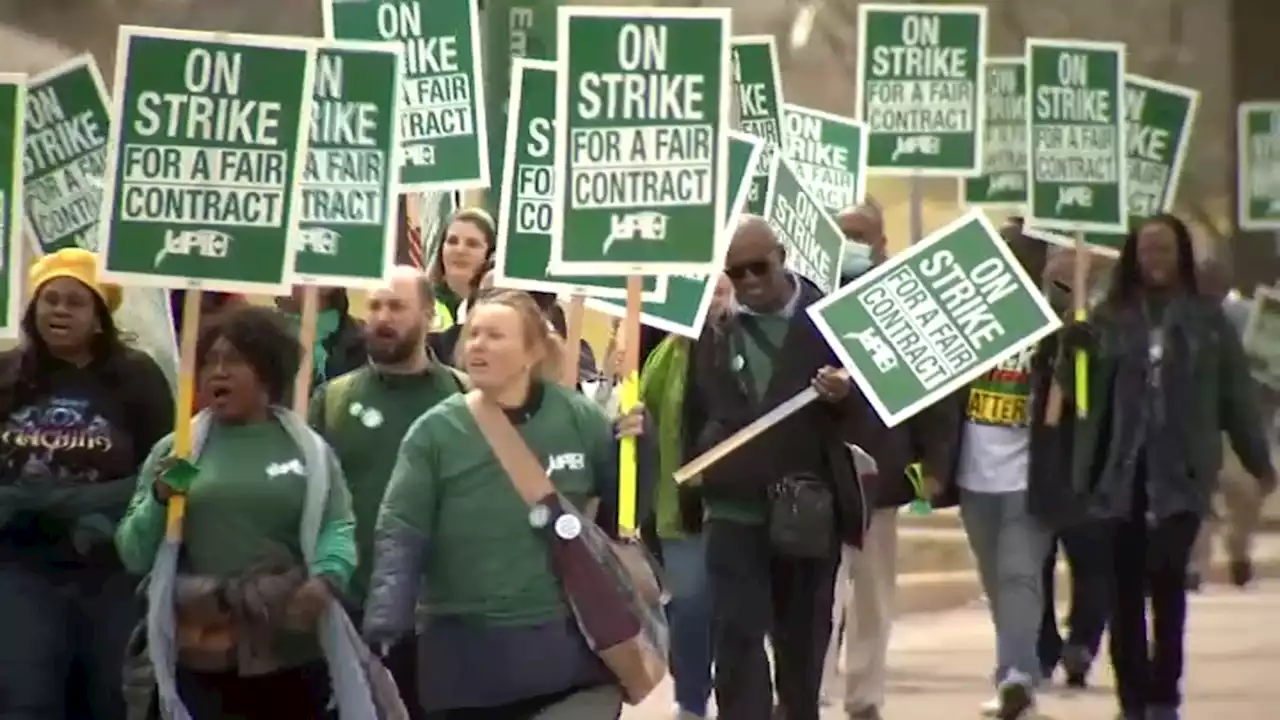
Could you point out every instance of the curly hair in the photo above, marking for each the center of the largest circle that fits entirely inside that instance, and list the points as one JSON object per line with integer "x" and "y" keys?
{"x": 266, "y": 341}
{"x": 1126, "y": 279}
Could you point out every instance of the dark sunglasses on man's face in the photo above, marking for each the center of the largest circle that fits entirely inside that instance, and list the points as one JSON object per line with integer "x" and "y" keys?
{"x": 759, "y": 268}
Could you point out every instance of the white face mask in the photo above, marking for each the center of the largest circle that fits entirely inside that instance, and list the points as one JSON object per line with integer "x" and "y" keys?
{"x": 857, "y": 258}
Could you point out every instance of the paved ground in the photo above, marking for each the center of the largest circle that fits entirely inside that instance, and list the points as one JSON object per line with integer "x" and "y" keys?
{"x": 938, "y": 662}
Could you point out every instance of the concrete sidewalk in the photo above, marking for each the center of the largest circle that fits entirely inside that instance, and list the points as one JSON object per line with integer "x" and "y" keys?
{"x": 939, "y": 665}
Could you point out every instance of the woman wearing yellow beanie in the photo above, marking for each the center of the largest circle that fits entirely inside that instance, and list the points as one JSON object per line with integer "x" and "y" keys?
{"x": 79, "y": 411}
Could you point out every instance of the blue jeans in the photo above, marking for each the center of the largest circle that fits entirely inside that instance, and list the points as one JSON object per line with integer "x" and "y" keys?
{"x": 689, "y": 613}
{"x": 1009, "y": 546}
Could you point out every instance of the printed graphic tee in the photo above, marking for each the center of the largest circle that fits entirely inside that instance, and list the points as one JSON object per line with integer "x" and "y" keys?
{"x": 995, "y": 452}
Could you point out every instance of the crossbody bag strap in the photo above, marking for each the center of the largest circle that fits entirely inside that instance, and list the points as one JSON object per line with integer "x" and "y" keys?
{"x": 514, "y": 455}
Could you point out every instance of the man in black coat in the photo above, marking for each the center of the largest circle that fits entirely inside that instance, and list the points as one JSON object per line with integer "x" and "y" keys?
{"x": 866, "y": 585}
{"x": 761, "y": 353}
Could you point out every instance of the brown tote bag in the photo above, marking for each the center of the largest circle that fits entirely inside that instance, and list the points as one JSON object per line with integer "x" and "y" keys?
{"x": 611, "y": 586}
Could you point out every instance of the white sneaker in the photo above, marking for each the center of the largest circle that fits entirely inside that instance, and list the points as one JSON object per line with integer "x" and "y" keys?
{"x": 990, "y": 708}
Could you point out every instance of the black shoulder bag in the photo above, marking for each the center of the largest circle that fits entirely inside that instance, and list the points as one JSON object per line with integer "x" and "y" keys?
{"x": 802, "y": 514}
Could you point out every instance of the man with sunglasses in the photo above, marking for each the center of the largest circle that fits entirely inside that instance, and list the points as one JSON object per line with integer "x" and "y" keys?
{"x": 866, "y": 585}
{"x": 779, "y": 507}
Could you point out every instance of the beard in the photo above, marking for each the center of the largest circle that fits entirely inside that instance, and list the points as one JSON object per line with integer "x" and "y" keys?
{"x": 391, "y": 351}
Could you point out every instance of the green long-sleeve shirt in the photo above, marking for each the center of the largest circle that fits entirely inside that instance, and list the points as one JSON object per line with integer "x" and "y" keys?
{"x": 248, "y": 497}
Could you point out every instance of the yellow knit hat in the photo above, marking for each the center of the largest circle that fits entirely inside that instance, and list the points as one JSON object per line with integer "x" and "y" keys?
{"x": 74, "y": 263}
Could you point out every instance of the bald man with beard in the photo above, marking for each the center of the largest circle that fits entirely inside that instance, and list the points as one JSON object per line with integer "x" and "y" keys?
{"x": 364, "y": 414}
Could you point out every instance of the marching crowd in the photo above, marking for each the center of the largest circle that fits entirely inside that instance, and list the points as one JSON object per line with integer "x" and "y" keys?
{"x": 401, "y": 494}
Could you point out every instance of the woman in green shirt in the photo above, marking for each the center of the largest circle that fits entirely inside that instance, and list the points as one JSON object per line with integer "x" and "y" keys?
{"x": 454, "y": 537}
{"x": 252, "y": 584}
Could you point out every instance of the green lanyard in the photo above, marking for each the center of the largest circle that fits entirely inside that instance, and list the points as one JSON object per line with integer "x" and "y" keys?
{"x": 920, "y": 505}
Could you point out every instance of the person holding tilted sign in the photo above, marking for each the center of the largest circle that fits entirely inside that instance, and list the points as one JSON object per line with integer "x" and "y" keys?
{"x": 778, "y": 508}
{"x": 474, "y": 539}
{"x": 79, "y": 411}
{"x": 463, "y": 252}
{"x": 268, "y": 537}
{"x": 1167, "y": 377}
{"x": 864, "y": 609}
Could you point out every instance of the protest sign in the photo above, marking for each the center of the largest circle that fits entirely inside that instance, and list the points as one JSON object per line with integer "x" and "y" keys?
{"x": 921, "y": 87}
{"x": 528, "y": 203}
{"x": 512, "y": 29}
{"x": 1003, "y": 182}
{"x": 347, "y": 236}
{"x": 205, "y": 161}
{"x": 815, "y": 245}
{"x": 1262, "y": 337}
{"x": 67, "y": 126}
{"x": 640, "y": 144}
{"x": 1258, "y": 160}
{"x": 442, "y": 111}
{"x": 684, "y": 310}
{"x": 13, "y": 105}
{"x": 757, "y": 92}
{"x": 1076, "y": 133}
{"x": 934, "y": 317}
{"x": 1158, "y": 119}
{"x": 829, "y": 154}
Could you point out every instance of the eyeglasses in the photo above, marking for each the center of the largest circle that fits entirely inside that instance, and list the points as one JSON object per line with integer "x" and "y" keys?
{"x": 759, "y": 268}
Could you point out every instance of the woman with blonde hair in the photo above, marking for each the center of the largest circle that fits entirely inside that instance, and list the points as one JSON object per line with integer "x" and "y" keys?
{"x": 456, "y": 539}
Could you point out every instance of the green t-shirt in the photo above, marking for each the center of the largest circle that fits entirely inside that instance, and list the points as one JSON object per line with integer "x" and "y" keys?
{"x": 483, "y": 558}
{"x": 364, "y": 415}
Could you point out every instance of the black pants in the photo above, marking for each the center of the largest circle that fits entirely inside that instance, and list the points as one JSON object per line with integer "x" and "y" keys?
{"x": 294, "y": 694}
{"x": 1150, "y": 560}
{"x": 1088, "y": 558}
{"x": 756, "y": 594}
{"x": 62, "y": 642}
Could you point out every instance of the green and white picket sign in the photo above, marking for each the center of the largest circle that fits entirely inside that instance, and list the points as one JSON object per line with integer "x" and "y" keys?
{"x": 347, "y": 235}
{"x": 814, "y": 243}
{"x": 442, "y": 112}
{"x": 528, "y": 203}
{"x": 1261, "y": 339}
{"x": 67, "y": 128}
{"x": 511, "y": 29}
{"x": 921, "y": 87}
{"x": 934, "y": 317}
{"x": 13, "y": 105}
{"x": 1076, "y": 132}
{"x": 684, "y": 311}
{"x": 1003, "y": 181}
{"x": 1258, "y": 160}
{"x": 1159, "y": 117}
{"x": 757, "y": 92}
{"x": 203, "y": 186}
{"x": 643, "y": 106}
{"x": 829, "y": 154}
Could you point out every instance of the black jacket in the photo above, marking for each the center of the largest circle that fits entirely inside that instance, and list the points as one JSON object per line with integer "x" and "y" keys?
{"x": 927, "y": 437}
{"x": 812, "y": 440}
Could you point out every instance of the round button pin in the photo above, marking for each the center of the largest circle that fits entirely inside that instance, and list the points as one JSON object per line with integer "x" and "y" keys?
{"x": 539, "y": 516}
{"x": 568, "y": 527}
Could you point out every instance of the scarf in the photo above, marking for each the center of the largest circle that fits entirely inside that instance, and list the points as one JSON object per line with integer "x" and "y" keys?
{"x": 359, "y": 687}
{"x": 662, "y": 389}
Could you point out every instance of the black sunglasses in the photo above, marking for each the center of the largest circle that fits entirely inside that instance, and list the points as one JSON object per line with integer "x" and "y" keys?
{"x": 759, "y": 268}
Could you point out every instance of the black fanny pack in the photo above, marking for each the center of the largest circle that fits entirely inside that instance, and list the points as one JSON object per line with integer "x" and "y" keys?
{"x": 802, "y": 517}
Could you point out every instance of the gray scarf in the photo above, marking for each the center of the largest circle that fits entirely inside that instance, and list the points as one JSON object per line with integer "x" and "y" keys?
{"x": 351, "y": 665}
